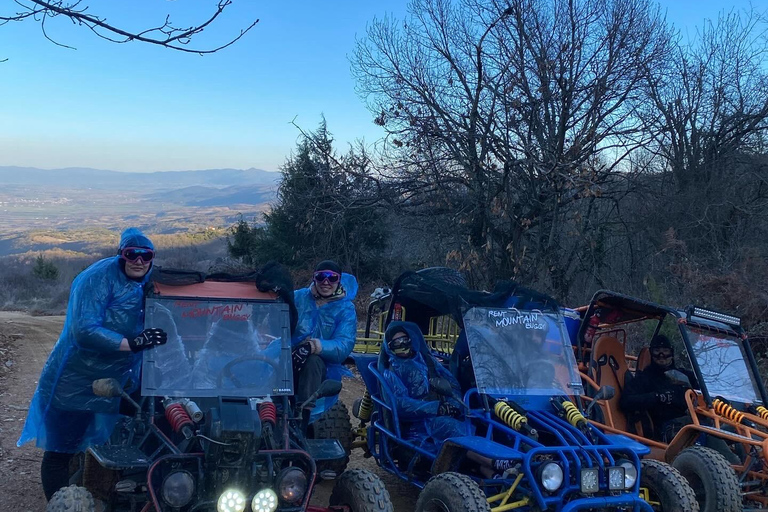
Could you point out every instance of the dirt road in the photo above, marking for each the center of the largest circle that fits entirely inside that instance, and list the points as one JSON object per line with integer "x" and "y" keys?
{"x": 25, "y": 343}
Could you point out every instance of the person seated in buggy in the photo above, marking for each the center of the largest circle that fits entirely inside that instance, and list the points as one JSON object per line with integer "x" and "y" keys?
{"x": 425, "y": 417}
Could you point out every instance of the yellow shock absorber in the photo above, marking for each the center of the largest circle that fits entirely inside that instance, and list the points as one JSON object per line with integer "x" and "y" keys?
{"x": 573, "y": 415}
{"x": 366, "y": 406}
{"x": 762, "y": 412}
{"x": 509, "y": 416}
{"x": 725, "y": 410}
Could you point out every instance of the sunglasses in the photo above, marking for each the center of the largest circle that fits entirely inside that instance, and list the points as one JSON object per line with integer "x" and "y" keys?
{"x": 661, "y": 355}
{"x": 402, "y": 343}
{"x": 332, "y": 277}
{"x": 137, "y": 253}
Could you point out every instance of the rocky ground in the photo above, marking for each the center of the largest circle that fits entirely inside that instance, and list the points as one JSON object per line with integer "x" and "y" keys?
{"x": 25, "y": 342}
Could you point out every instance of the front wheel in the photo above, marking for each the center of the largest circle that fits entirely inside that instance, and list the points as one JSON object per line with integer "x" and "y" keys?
{"x": 713, "y": 480}
{"x": 451, "y": 492}
{"x": 668, "y": 490}
{"x": 361, "y": 491}
{"x": 334, "y": 423}
{"x": 71, "y": 499}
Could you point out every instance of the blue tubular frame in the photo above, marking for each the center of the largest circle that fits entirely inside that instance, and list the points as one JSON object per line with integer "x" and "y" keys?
{"x": 574, "y": 451}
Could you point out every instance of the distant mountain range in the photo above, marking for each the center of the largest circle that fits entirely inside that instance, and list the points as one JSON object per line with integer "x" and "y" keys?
{"x": 85, "y": 178}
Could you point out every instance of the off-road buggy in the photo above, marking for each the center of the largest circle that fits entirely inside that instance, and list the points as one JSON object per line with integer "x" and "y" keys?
{"x": 526, "y": 445}
{"x": 217, "y": 427}
{"x": 727, "y": 412}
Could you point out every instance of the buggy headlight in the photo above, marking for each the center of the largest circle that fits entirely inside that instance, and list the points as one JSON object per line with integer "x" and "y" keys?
{"x": 590, "y": 480}
{"x": 178, "y": 488}
{"x": 551, "y": 476}
{"x": 264, "y": 501}
{"x": 292, "y": 485}
{"x": 630, "y": 473}
{"x": 231, "y": 500}
{"x": 616, "y": 478}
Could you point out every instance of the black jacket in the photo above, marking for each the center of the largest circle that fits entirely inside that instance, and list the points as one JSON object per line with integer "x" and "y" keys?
{"x": 641, "y": 394}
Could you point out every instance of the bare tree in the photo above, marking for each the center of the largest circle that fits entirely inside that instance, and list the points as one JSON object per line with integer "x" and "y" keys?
{"x": 517, "y": 116}
{"x": 164, "y": 34}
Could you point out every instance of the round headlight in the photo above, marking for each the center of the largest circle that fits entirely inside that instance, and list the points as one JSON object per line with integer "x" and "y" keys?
{"x": 292, "y": 485}
{"x": 551, "y": 476}
{"x": 630, "y": 473}
{"x": 231, "y": 501}
{"x": 264, "y": 501}
{"x": 178, "y": 488}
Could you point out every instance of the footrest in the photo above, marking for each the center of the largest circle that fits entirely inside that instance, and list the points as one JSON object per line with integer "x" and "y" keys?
{"x": 119, "y": 457}
{"x": 325, "y": 449}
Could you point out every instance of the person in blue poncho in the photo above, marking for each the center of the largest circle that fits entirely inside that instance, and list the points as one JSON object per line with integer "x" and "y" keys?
{"x": 326, "y": 329}
{"x": 424, "y": 416}
{"x": 103, "y": 337}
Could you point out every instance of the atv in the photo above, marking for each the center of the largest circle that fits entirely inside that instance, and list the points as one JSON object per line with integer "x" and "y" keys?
{"x": 722, "y": 450}
{"x": 216, "y": 426}
{"x": 526, "y": 445}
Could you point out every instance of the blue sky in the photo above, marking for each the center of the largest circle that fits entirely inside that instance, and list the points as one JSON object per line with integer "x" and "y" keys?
{"x": 136, "y": 107}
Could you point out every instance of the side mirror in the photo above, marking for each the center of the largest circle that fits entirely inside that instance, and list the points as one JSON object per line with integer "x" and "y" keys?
{"x": 440, "y": 386}
{"x": 329, "y": 388}
{"x": 678, "y": 377}
{"x": 605, "y": 393}
{"x": 109, "y": 388}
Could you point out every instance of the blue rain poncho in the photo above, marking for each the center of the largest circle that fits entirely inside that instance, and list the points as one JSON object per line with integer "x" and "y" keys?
{"x": 408, "y": 379}
{"x": 104, "y": 307}
{"x": 334, "y": 324}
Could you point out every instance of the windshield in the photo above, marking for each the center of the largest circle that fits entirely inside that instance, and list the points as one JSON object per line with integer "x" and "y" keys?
{"x": 723, "y": 365}
{"x": 218, "y": 347}
{"x": 519, "y": 352}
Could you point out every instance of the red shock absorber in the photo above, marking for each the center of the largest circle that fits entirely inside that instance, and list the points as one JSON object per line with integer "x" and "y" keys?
{"x": 177, "y": 416}
{"x": 268, "y": 413}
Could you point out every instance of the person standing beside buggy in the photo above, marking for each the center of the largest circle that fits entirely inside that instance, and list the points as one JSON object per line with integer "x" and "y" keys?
{"x": 102, "y": 338}
{"x": 326, "y": 329}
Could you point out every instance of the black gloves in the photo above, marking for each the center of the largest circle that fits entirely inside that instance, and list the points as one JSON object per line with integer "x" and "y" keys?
{"x": 674, "y": 396}
{"x": 300, "y": 354}
{"x": 148, "y": 339}
{"x": 447, "y": 409}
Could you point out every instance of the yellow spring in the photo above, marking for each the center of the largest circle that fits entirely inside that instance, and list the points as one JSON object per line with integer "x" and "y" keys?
{"x": 762, "y": 412}
{"x": 509, "y": 416}
{"x": 727, "y": 411}
{"x": 366, "y": 406}
{"x": 572, "y": 414}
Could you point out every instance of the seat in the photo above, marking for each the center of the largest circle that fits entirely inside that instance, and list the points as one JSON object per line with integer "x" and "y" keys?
{"x": 643, "y": 359}
{"x": 608, "y": 367}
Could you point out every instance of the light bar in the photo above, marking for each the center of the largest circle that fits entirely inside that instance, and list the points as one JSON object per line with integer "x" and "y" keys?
{"x": 718, "y": 317}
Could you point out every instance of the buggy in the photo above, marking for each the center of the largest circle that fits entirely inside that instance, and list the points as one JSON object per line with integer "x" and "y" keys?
{"x": 217, "y": 427}
{"x": 526, "y": 445}
{"x": 726, "y": 412}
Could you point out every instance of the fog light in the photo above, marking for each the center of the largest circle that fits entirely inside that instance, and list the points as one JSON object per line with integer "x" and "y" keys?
{"x": 292, "y": 485}
{"x": 264, "y": 501}
{"x": 231, "y": 501}
{"x": 616, "y": 478}
{"x": 551, "y": 476}
{"x": 630, "y": 473}
{"x": 178, "y": 488}
{"x": 590, "y": 481}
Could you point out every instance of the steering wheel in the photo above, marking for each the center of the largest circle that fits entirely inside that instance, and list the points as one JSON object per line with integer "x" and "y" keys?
{"x": 227, "y": 370}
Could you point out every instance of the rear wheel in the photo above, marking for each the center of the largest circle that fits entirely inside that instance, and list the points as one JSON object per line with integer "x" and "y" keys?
{"x": 71, "y": 499}
{"x": 713, "y": 480}
{"x": 361, "y": 491}
{"x": 668, "y": 490}
{"x": 452, "y": 492}
{"x": 335, "y": 423}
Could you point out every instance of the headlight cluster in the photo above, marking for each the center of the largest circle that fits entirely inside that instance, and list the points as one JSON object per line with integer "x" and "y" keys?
{"x": 291, "y": 484}
{"x": 622, "y": 476}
